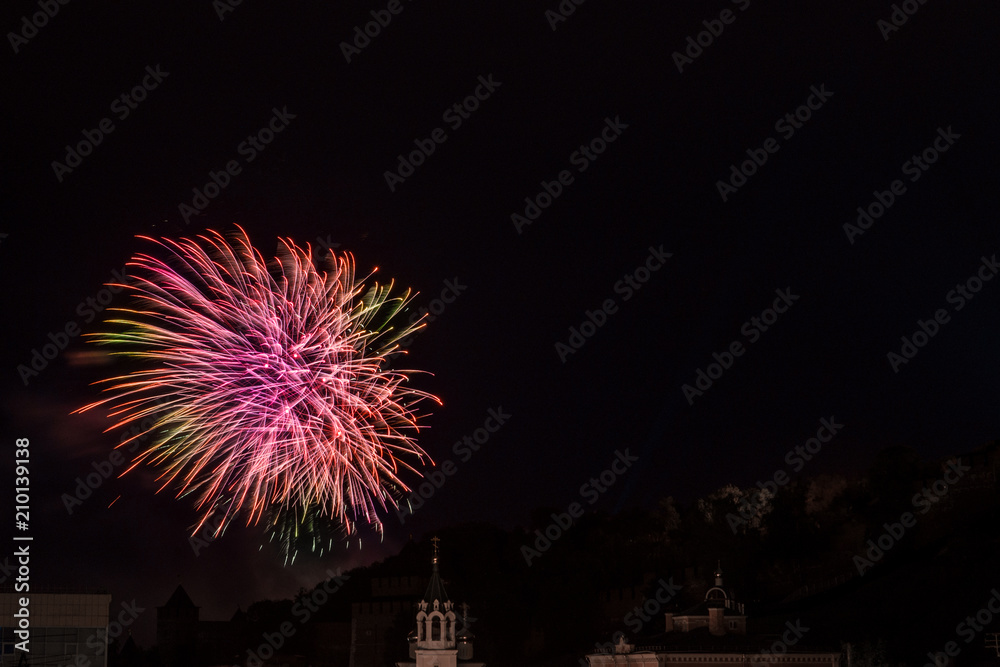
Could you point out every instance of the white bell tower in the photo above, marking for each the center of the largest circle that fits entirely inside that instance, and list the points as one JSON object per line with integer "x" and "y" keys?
{"x": 435, "y": 645}
{"x": 436, "y": 642}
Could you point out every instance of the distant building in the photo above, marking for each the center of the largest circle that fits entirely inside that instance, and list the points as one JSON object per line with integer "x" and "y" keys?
{"x": 373, "y": 621}
{"x": 184, "y": 640}
{"x": 177, "y": 629}
{"x": 66, "y": 628}
{"x": 981, "y": 476}
{"x": 437, "y": 641}
{"x": 718, "y": 612}
{"x": 616, "y": 603}
{"x": 713, "y": 633}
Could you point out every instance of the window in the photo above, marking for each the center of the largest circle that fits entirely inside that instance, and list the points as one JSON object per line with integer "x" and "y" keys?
{"x": 436, "y": 629}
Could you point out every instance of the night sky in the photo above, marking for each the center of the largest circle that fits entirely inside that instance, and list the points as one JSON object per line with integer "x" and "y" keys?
{"x": 641, "y": 124}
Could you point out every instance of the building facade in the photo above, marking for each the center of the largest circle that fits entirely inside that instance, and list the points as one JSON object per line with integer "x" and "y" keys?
{"x": 65, "y": 629}
{"x": 374, "y": 622}
{"x": 713, "y": 633}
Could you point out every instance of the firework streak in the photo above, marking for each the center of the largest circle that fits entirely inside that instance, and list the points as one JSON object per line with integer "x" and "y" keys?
{"x": 268, "y": 385}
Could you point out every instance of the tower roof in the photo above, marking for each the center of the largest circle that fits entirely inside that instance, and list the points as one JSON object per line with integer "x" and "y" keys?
{"x": 179, "y": 600}
{"x": 435, "y": 588}
{"x": 129, "y": 648}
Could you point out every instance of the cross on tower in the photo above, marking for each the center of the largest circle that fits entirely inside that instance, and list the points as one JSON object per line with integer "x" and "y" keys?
{"x": 435, "y": 540}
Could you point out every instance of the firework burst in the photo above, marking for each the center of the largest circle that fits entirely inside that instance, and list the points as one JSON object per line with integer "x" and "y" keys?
{"x": 268, "y": 384}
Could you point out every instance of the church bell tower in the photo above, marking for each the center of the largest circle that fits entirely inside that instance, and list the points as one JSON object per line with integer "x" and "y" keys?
{"x": 437, "y": 642}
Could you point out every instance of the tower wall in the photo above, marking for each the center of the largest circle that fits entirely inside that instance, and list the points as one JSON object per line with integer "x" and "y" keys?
{"x": 716, "y": 621}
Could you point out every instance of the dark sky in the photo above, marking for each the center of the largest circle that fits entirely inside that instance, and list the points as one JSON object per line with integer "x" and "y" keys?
{"x": 882, "y": 102}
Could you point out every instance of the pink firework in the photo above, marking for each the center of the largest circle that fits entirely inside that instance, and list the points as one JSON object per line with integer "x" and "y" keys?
{"x": 268, "y": 382}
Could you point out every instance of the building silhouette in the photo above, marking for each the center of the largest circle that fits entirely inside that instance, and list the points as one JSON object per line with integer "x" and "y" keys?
{"x": 374, "y": 621}
{"x": 185, "y": 640}
{"x": 713, "y": 633}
